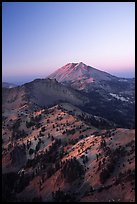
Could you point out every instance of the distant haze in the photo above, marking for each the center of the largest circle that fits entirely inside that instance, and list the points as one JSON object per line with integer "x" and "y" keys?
{"x": 40, "y": 37}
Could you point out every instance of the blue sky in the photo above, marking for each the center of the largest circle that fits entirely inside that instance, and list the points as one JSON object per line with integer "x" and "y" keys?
{"x": 38, "y": 38}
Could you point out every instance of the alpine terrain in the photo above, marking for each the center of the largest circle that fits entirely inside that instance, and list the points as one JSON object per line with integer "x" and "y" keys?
{"x": 109, "y": 96}
{"x": 69, "y": 138}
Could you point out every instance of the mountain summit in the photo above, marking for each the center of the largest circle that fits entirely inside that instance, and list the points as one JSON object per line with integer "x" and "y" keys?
{"x": 105, "y": 91}
{"x": 80, "y": 75}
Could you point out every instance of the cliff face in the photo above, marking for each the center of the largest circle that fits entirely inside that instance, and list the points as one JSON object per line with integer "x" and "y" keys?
{"x": 41, "y": 92}
{"x": 48, "y": 92}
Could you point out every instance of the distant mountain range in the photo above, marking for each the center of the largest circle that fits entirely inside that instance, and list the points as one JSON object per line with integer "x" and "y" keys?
{"x": 8, "y": 85}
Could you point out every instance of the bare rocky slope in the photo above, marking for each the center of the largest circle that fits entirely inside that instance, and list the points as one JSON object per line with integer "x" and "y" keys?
{"x": 41, "y": 92}
{"x": 53, "y": 155}
{"x": 83, "y": 77}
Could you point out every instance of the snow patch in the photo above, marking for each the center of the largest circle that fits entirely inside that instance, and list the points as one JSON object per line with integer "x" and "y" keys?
{"x": 118, "y": 97}
{"x": 11, "y": 86}
{"x": 122, "y": 80}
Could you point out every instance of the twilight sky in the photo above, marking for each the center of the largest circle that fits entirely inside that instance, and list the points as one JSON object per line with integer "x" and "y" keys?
{"x": 38, "y": 38}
